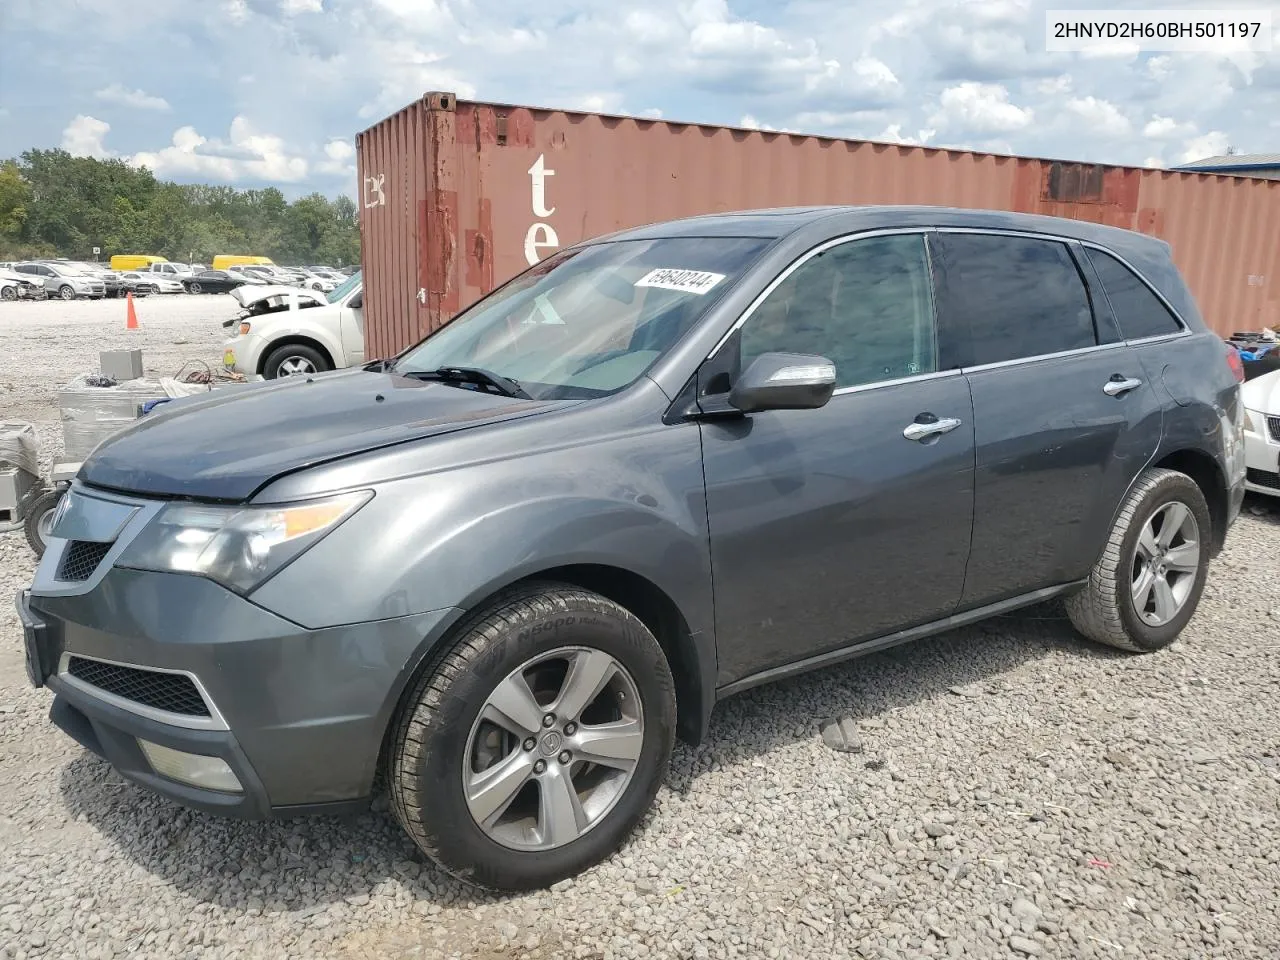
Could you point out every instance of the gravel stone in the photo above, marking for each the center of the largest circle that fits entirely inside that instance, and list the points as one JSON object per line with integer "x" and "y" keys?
{"x": 1053, "y": 756}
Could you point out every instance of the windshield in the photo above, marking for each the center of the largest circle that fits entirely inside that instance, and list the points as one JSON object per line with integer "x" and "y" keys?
{"x": 65, "y": 271}
{"x": 341, "y": 290}
{"x": 589, "y": 321}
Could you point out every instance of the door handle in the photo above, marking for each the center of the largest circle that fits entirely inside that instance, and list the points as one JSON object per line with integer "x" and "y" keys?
{"x": 1114, "y": 387}
{"x": 923, "y": 431}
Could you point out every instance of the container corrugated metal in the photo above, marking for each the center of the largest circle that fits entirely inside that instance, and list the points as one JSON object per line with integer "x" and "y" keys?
{"x": 459, "y": 196}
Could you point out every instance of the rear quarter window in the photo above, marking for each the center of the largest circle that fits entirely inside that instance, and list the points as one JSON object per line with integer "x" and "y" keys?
{"x": 1139, "y": 312}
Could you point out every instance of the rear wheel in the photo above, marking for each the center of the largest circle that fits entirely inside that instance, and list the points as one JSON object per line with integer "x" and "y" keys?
{"x": 194, "y": 287}
{"x": 294, "y": 359}
{"x": 1147, "y": 584}
{"x": 531, "y": 748}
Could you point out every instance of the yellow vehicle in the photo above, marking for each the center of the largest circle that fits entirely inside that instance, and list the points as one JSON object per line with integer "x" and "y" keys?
{"x": 132, "y": 261}
{"x": 223, "y": 260}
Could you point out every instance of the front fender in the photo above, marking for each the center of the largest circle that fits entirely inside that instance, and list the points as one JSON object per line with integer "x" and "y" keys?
{"x": 281, "y": 327}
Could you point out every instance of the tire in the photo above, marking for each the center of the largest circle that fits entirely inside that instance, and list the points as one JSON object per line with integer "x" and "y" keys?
{"x": 440, "y": 722}
{"x": 36, "y": 523}
{"x": 1105, "y": 611}
{"x": 294, "y": 359}
{"x": 8, "y": 293}
{"x": 194, "y": 287}
{"x": 66, "y": 292}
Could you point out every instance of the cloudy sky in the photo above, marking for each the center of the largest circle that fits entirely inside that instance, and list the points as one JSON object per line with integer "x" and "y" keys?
{"x": 250, "y": 92}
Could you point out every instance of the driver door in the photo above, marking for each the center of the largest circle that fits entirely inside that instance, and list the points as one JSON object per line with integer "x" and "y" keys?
{"x": 831, "y": 527}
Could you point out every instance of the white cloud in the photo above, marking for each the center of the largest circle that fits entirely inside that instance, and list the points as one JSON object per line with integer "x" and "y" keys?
{"x": 980, "y": 108}
{"x": 893, "y": 134}
{"x": 405, "y": 71}
{"x": 1154, "y": 163}
{"x": 237, "y": 11}
{"x": 1053, "y": 85}
{"x": 83, "y": 137}
{"x": 751, "y": 123}
{"x": 1212, "y": 144}
{"x": 653, "y": 113}
{"x": 1100, "y": 117}
{"x": 1167, "y": 128}
{"x": 598, "y": 103}
{"x": 339, "y": 155}
{"x": 1160, "y": 68}
{"x": 291, "y": 8}
{"x": 244, "y": 155}
{"x": 138, "y": 99}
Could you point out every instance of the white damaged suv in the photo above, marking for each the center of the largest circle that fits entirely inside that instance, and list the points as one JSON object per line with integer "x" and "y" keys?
{"x": 286, "y": 330}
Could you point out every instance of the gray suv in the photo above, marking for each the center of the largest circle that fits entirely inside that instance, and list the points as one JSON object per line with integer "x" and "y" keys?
{"x": 502, "y": 570}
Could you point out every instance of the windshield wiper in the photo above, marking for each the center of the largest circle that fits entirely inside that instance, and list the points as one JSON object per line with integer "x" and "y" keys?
{"x": 485, "y": 378}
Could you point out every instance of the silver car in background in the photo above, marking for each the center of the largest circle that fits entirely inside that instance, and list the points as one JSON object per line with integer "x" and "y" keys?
{"x": 65, "y": 281}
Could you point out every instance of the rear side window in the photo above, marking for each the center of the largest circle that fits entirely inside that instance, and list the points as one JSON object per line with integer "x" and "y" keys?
{"x": 1017, "y": 297}
{"x": 1138, "y": 311}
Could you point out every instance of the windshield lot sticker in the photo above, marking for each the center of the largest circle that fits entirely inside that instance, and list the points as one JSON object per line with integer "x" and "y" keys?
{"x": 685, "y": 281}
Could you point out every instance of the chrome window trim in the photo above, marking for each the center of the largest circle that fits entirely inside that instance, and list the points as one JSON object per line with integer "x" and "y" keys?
{"x": 897, "y": 381}
{"x": 1184, "y": 331}
{"x": 1019, "y": 361}
{"x": 215, "y": 720}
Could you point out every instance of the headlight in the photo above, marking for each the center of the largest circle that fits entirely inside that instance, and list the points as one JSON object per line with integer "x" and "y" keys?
{"x": 239, "y": 547}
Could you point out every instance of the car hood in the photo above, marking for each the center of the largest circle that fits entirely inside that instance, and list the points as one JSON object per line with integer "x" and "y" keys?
{"x": 229, "y": 443}
{"x": 1263, "y": 393}
{"x": 277, "y": 294}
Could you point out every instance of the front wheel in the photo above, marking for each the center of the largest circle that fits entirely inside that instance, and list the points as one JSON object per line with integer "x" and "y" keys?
{"x": 8, "y": 293}
{"x": 66, "y": 292}
{"x": 194, "y": 287}
{"x": 532, "y": 746}
{"x": 1147, "y": 584}
{"x": 293, "y": 360}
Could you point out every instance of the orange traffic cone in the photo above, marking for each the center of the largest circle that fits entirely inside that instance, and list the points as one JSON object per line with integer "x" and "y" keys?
{"x": 132, "y": 322}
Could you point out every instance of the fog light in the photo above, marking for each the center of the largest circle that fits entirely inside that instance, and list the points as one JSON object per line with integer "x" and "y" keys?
{"x": 209, "y": 773}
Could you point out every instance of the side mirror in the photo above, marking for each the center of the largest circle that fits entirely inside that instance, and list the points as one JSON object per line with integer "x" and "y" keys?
{"x": 784, "y": 381}
{"x": 356, "y": 302}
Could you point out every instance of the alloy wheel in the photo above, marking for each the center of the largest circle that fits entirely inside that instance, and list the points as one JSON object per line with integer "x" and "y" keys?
{"x": 553, "y": 749}
{"x": 294, "y": 366}
{"x": 1165, "y": 563}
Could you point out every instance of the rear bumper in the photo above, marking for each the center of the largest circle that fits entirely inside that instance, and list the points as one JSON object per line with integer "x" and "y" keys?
{"x": 298, "y": 715}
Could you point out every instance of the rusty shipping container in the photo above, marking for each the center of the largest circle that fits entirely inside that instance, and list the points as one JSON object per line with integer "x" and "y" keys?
{"x": 457, "y": 197}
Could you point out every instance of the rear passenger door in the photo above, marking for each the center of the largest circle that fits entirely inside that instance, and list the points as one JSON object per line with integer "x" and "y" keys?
{"x": 1064, "y": 413}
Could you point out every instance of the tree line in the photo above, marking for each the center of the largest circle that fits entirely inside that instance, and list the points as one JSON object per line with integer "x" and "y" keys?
{"x": 55, "y": 205}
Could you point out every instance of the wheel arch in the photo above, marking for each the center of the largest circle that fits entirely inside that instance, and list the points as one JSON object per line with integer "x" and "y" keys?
{"x": 291, "y": 340}
{"x": 653, "y": 606}
{"x": 1202, "y": 468}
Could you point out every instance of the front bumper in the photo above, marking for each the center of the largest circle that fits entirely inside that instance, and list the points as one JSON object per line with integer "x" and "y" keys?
{"x": 243, "y": 353}
{"x": 298, "y": 715}
{"x": 1262, "y": 457}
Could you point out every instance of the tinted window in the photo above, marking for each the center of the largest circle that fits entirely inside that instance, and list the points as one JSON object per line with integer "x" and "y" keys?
{"x": 1138, "y": 311}
{"x": 866, "y": 305}
{"x": 1018, "y": 296}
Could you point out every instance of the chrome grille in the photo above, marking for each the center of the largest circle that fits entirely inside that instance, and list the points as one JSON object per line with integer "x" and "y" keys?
{"x": 80, "y": 559}
{"x": 1273, "y": 427}
{"x": 170, "y": 692}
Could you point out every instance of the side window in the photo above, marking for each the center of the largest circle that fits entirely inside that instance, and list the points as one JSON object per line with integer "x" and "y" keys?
{"x": 1138, "y": 311}
{"x": 1017, "y": 296}
{"x": 866, "y": 305}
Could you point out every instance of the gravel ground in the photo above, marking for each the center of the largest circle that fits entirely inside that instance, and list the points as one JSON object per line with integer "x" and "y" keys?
{"x": 1011, "y": 791}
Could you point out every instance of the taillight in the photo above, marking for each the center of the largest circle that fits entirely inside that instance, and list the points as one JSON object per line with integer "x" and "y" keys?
{"x": 1235, "y": 363}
